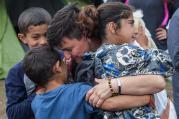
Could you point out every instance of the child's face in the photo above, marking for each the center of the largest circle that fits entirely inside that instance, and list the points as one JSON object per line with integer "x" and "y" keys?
{"x": 125, "y": 32}
{"x": 35, "y": 36}
{"x": 60, "y": 71}
{"x": 64, "y": 73}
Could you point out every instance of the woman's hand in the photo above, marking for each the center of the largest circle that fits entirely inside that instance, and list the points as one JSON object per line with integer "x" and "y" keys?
{"x": 99, "y": 93}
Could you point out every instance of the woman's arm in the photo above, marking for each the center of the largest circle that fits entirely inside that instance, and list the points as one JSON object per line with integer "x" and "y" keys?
{"x": 130, "y": 85}
{"x": 142, "y": 84}
{"x": 122, "y": 102}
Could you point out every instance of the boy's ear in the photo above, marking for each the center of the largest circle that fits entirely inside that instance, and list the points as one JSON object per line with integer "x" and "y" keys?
{"x": 22, "y": 38}
{"x": 57, "y": 68}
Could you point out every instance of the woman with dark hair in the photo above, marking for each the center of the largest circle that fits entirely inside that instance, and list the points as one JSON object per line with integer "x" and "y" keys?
{"x": 72, "y": 32}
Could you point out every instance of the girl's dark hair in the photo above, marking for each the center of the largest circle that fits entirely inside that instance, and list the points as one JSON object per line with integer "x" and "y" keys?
{"x": 38, "y": 64}
{"x": 94, "y": 21}
{"x": 33, "y": 16}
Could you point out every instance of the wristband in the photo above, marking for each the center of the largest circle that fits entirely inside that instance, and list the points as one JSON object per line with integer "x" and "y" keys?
{"x": 110, "y": 86}
{"x": 119, "y": 85}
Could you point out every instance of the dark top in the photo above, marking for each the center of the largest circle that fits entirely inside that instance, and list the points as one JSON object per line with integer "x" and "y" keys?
{"x": 18, "y": 103}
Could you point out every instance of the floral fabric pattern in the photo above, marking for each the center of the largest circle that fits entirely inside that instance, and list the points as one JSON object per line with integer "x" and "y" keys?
{"x": 124, "y": 60}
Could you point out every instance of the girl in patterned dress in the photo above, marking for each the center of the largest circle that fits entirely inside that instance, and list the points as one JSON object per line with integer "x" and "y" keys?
{"x": 117, "y": 58}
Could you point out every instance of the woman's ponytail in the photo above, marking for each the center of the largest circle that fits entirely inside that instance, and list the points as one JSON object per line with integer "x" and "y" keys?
{"x": 88, "y": 20}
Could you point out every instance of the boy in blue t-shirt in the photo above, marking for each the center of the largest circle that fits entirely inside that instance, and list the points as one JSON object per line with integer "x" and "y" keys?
{"x": 33, "y": 24}
{"x": 58, "y": 100}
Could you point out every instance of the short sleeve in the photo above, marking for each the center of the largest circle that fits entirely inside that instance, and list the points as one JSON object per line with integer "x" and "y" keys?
{"x": 83, "y": 89}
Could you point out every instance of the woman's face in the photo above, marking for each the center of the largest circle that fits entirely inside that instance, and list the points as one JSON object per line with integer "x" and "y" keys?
{"x": 124, "y": 34}
{"x": 74, "y": 48}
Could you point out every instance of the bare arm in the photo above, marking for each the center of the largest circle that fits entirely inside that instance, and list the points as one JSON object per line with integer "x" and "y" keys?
{"x": 142, "y": 84}
{"x": 131, "y": 85}
{"x": 124, "y": 102}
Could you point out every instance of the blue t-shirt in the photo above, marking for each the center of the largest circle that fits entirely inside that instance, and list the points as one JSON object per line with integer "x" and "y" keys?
{"x": 64, "y": 102}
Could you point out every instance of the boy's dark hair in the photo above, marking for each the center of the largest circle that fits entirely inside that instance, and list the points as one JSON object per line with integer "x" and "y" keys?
{"x": 63, "y": 25}
{"x": 33, "y": 16}
{"x": 38, "y": 64}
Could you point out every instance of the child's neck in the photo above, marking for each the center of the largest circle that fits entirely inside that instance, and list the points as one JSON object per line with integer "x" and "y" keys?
{"x": 111, "y": 41}
{"x": 52, "y": 84}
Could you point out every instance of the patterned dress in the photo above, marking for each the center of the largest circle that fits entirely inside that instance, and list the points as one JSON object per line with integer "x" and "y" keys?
{"x": 126, "y": 60}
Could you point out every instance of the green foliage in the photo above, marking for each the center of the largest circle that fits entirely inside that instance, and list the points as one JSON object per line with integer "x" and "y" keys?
{"x": 11, "y": 51}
